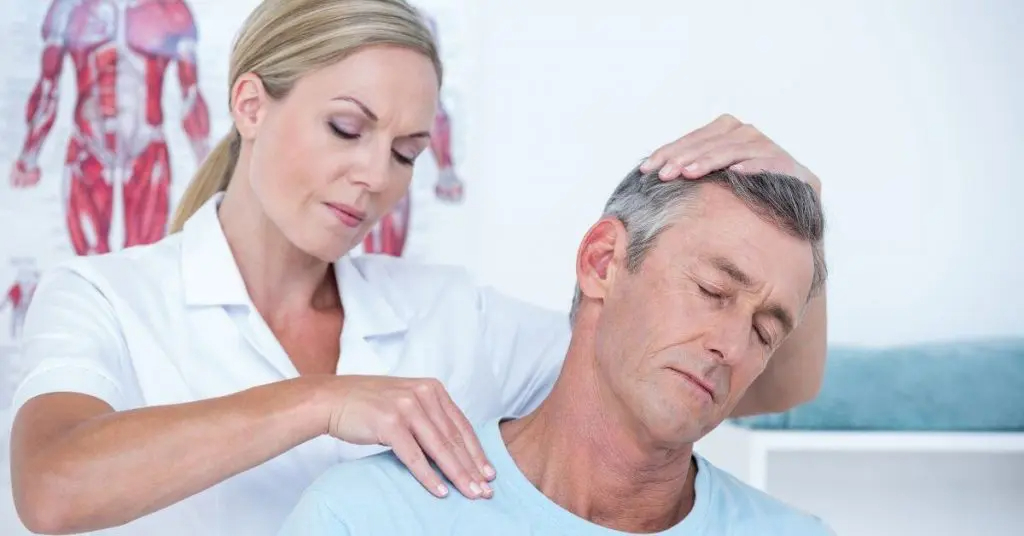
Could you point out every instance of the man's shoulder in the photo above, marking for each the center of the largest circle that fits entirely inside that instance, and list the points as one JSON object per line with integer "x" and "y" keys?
{"x": 747, "y": 509}
{"x": 364, "y": 496}
{"x": 372, "y": 495}
{"x": 381, "y": 473}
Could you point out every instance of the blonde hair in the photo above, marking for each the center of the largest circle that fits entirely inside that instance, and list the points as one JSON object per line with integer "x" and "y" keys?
{"x": 281, "y": 41}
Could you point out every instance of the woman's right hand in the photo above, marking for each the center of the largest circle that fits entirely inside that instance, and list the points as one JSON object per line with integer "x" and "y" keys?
{"x": 419, "y": 421}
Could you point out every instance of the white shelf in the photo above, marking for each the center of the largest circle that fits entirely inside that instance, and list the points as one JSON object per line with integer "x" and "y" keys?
{"x": 857, "y": 441}
{"x": 883, "y": 483}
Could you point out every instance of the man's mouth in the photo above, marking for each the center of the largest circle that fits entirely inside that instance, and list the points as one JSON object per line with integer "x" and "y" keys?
{"x": 699, "y": 383}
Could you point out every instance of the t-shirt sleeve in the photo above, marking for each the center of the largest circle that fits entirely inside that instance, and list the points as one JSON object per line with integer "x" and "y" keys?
{"x": 72, "y": 342}
{"x": 526, "y": 345}
{"x": 313, "y": 516}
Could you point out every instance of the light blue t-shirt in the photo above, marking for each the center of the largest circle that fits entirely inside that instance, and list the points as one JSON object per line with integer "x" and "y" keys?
{"x": 377, "y": 496}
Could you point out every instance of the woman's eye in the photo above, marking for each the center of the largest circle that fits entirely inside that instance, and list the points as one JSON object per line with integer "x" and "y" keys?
{"x": 341, "y": 132}
{"x": 403, "y": 159}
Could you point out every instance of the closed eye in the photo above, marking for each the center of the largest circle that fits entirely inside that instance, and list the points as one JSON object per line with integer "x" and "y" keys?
{"x": 709, "y": 293}
{"x": 402, "y": 159}
{"x": 765, "y": 340}
{"x": 399, "y": 157}
{"x": 341, "y": 133}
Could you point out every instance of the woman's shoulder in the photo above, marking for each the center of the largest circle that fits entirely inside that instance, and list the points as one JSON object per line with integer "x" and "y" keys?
{"x": 401, "y": 280}
{"x": 135, "y": 271}
{"x": 414, "y": 288}
{"x": 401, "y": 269}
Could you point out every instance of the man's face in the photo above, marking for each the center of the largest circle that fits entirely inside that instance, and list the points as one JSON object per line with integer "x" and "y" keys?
{"x": 679, "y": 341}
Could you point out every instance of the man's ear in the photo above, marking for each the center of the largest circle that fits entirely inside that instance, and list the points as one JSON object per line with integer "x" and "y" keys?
{"x": 601, "y": 256}
{"x": 249, "y": 101}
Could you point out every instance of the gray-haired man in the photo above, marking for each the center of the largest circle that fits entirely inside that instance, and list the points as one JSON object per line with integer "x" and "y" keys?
{"x": 685, "y": 289}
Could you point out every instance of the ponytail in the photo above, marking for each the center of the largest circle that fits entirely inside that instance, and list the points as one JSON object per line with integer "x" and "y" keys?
{"x": 211, "y": 177}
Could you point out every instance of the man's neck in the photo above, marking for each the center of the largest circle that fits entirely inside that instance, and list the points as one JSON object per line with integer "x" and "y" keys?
{"x": 583, "y": 456}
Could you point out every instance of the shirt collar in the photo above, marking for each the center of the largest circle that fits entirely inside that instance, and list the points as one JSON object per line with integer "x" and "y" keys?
{"x": 211, "y": 277}
{"x": 368, "y": 311}
{"x": 209, "y": 272}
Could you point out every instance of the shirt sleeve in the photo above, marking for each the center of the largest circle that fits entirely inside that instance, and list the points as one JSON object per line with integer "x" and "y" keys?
{"x": 526, "y": 345}
{"x": 313, "y": 516}
{"x": 72, "y": 342}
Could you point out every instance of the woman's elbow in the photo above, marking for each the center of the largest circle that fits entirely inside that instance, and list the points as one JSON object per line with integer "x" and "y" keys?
{"x": 41, "y": 510}
{"x": 798, "y": 394}
{"x": 800, "y": 390}
{"x": 42, "y": 502}
{"x": 780, "y": 394}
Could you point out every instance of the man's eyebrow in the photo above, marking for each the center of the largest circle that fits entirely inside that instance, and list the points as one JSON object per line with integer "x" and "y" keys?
{"x": 783, "y": 316}
{"x": 734, "y": 272}
{"x": 730, "y": 269}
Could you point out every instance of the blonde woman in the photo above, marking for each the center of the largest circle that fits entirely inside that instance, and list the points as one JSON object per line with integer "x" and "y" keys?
{"x": 199, "y": 384}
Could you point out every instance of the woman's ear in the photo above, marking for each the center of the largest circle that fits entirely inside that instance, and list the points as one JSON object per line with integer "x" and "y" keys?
{"x": 249, "y": 101}
{"x": 600, "y": 258}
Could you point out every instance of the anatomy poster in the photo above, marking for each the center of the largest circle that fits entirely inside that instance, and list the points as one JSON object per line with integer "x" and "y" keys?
{"x": 108, "y": 107}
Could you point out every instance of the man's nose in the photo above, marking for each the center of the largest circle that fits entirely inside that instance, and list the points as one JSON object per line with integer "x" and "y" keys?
{"x": 727, "y": 337}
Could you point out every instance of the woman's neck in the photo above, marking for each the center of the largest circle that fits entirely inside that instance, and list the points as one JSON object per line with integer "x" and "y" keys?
{"x": 278, "y": 276}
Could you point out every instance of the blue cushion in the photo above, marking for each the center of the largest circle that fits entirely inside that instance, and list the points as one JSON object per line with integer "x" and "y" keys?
{"x": 968, "y": 385}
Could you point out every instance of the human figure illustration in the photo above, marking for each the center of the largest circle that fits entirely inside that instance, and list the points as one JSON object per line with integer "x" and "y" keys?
{"x": 121, "y": 51}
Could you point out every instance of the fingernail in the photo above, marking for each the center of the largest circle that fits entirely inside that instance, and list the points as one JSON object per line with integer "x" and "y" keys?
{"x": 666, "y": 171}
{"x": 737, "y": 167}
{"x": 475, "y": 488}
{"x": 488, "y": 471}
{"x": 646, "y": 166}
{"x": 442, "y": 490}
{"x": 487, "y": 489}
{"x": 692, "y": 167}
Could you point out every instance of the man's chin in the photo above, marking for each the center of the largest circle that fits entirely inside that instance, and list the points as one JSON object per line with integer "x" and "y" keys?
{"x": 676, "y": 430}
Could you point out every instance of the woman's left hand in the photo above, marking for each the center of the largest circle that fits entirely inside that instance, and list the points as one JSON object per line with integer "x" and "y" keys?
{"x": 726, "y": 142}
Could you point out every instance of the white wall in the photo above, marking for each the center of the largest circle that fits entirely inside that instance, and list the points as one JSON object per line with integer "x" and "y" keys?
{"x": 906, "y": 112}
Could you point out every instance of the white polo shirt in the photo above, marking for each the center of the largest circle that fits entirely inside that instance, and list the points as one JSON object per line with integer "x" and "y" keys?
{"x": 172, "y": 322}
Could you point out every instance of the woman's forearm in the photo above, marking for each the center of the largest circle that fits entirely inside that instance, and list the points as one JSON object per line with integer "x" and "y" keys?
{"x": 110, "y": 469}
{"x": 795, "y": 372}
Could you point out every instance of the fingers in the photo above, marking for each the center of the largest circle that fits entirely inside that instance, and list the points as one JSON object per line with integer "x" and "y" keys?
{"x": 723, "y": 143}
{"x": 24, "y": 179}
{"x": 439, "y": 439}
{"x": 458, "y": 436}
{"x": 408, "y": 451}
{"x": 741, "y": 143}
{"x": 469, "y": 438}
{"x": 756, "y": 165}
{"x": 721, "y": 125}
{"x": 721, "y": 156}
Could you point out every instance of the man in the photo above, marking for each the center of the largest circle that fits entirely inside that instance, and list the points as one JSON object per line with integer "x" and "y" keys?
{"x": 685, "y": 289}
{"x": 121, "y": 51}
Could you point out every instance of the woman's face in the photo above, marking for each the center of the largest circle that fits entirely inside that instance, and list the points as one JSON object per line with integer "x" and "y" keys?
{"x": 336, "y": 154}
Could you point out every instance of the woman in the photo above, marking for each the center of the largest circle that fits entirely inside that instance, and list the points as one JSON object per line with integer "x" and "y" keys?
{"x": 199, "y": 384}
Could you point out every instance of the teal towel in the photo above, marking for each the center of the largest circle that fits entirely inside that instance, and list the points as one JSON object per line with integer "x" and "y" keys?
{"x": 971, "y": 385}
